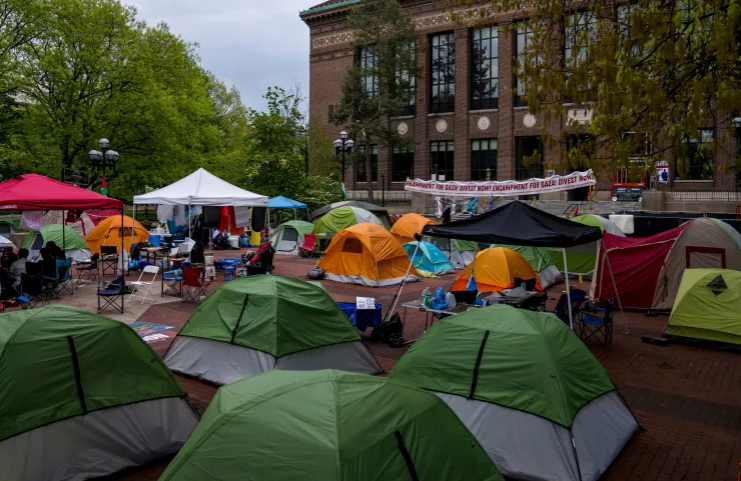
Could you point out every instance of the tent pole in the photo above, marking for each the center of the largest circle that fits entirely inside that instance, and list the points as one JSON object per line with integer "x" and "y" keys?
{"x": 403, "y": 281}
{"x": 63, "y": 236}
{"x": 614, "y": 285}
{"x": 568, "y": 289}
{"x": 123, "y": 282}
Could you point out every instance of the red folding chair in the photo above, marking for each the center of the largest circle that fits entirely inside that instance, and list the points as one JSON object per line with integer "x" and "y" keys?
{"x": 193, "y": 288}
{"x": 308, "y": 247}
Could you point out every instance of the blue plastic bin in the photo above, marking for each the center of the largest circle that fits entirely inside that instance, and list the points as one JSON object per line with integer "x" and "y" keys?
{"x": 364, "y": 318}
{"x": 155, "y": 240}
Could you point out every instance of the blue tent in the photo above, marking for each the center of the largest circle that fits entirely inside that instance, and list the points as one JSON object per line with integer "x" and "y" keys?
{"x": 281, "y": 202}
{"x": 429, "y": 258}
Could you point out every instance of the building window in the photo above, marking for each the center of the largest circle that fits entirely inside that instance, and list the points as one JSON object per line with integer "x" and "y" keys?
{"x": 407, "y": 82}
{"x": 442, "y": 79}
{"x": 360, "y": 164}
{"x": 368, "y": 64}
{"x": 402, "y": 164}
{"x": 528, "y": 157}
{"x": 483, "y": 159}
{"x": 442, "y": 154}
{"x": 485, "y": 68}
{"x": 698, "y": 161}
{"x": 524, "y": 36}
{"x": 580, "y": 31}
{"x": 625, "y": 29}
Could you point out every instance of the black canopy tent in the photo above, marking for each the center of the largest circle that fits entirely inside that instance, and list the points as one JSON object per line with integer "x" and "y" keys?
{"x": 517, "y": 223}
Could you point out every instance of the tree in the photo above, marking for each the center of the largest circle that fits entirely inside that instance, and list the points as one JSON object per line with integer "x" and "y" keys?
{"x": 651, "y": 71}
{"x": 382, "y": 83}
{"x": 321, "y": 153}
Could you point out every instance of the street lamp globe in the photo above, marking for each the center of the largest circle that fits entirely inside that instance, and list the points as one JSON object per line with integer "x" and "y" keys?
{"x": 349, "y": 144}
{"x": 104, "y": 143}
{"x": 95, "y": 155}
{"x": 343, "y": 135}
{"x": 737, "y": 122}
{"x": 337, "y": 144}
{"x": 111, "y": 156}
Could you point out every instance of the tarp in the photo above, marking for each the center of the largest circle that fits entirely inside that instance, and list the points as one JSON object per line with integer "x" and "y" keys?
{"x": 342, "y": 218}
{"x": 408, "y": 225}
{"x": 429, "y": 258}
{"x": 108, "y": 233}
{"x": 36, "y": 192}
{"x": 707, "y": 306}
{"x": 43, "y": 350}
{"x": 495, "y": 269}
{"x": 366, "y": 254}
{"x": 529, "y": 361}
{"x": 281, "y": 202}
{"x": 519, "y": 224}
{"x": 202, "y": 188}
{"x": 329, "y": 426}
{"x": 273, "y": 314}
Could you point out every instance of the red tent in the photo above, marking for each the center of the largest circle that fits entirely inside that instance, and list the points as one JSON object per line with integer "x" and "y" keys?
{"x": 36, "y": 192}
{"x": 636, "y": 264}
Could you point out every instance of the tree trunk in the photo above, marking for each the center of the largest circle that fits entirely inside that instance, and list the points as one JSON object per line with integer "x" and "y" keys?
{"x": 369, "y": 172}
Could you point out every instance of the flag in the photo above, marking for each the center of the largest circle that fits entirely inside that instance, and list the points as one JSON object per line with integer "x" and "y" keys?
{"x": 344, "y": 193}
{"x": 104, "y": 187}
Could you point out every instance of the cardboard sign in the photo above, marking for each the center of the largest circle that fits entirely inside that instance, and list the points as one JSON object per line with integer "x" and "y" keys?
{"x": 365, "y": 303}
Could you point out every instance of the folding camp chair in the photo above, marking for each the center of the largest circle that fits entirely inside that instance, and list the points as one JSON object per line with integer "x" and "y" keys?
{"x": 193, "y": 288}
{"x": 307, "y": 248}
{"x": 597, "y": 320}
{"x": 33, "y": 291}
{"x": 172, "y": 283}
{"x": 87, "y": 271}
{"x": 109, "y": 259}
{"x": 111, "y": 294}
{"x": 62, "y": 281}
{"x": 562, "y": 306}
{"x": 140, "y": 286}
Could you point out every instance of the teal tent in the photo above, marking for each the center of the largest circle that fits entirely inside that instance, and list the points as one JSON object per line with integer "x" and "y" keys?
{"x": 428, "y": 258}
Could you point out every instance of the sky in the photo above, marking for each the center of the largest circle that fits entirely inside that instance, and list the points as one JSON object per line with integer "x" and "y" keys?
{"x": 251, "y": 44}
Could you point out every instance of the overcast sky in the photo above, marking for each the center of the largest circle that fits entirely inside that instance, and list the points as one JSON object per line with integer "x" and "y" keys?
{"x": 252, "y": 44}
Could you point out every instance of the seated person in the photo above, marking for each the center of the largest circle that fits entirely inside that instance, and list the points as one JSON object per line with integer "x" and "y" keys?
{"x": 48, "y": 263}
{"x": 55, "y": 251}
{"x": 8, "y": 257}
{"x": 7, "y": 283}
{"x": 19, "y": 266}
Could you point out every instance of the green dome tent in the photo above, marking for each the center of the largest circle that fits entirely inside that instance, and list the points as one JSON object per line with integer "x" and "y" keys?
{"x": 527, "y": 388}
{"x": 707, "y": 306}
{"x": 581, "y": 259}
{"x": 342, "y": 218}
{"x": 328, "y": 426}
{"x": 74, "y": 245}
{"x": 261, "y": 323}
{"x": 82, "y": 395}
{"x": 289, "y": 235}
{"x": 540, "y": 259}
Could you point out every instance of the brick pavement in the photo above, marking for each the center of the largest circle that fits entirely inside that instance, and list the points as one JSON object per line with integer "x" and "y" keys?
{"x": 686, "y": 397}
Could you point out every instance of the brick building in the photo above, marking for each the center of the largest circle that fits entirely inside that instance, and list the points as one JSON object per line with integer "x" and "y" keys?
{"x": 470, "y": 128}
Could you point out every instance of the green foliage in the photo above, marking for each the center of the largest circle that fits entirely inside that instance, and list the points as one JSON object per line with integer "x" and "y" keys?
{"x": 322, "y": 160}
{"x": 378, "y": 88}
{"x": 659, "y": 67}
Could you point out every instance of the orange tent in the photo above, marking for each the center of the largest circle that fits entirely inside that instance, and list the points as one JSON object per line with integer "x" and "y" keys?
{"x": 495, "y": 269}
{"x": 408, "y": 225}
{"x": 366, "y": 254}
{"x": 108, "y": 233}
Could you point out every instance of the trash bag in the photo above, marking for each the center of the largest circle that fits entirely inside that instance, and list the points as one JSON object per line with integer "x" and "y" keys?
{"x": 391, "y": 331}
{"x": 316, "y": 274}
{"x": 438, "y": 300}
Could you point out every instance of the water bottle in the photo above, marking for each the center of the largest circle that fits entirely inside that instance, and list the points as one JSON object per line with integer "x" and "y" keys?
{"x": 426, "y": 295}
{"x": 450, "y": 300}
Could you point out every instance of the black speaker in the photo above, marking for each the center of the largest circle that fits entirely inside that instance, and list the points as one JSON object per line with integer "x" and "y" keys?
{"x": 258, "y": 218}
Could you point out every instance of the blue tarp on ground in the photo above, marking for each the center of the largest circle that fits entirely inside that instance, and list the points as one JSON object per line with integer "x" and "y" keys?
{"x": 281, "y": 202}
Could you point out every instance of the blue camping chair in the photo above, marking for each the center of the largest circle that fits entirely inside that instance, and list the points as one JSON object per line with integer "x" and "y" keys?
{"x": 62, "y": 281}
{"x": 562, "y": 306}
{"x": 597, "y": 320}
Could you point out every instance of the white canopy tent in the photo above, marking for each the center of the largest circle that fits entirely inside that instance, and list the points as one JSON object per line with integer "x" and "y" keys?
{"x": 202, "y": 188}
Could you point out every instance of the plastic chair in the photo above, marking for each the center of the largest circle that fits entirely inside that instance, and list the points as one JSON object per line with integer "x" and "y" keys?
{"x": 109, "y": 259}
{"x": 112, "y": 295}
{"x": 307, "y": 248}
{"x": 33, "y": 291}
{"x": 193, "y": 288}
{"x": 562, "y": 306}
{"x": 144, "y": 286}
{"x": 63, "y": 279}
{"x": 597, "y": 320}
{"x": 87, "y": 271}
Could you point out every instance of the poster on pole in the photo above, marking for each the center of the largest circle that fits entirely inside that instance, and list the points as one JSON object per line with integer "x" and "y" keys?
{"x": 505, "y": 188}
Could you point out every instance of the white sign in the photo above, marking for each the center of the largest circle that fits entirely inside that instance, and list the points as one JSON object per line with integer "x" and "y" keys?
{"x": 504, "y": 188}
{"x": 662, "y": 172}
{"x": 365, "y": 303}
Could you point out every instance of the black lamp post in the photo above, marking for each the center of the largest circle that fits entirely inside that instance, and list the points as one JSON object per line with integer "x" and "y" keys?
{"x": 107, "y": 158}
{"x": 342, "y": 145}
